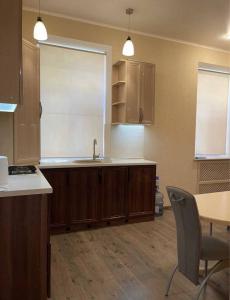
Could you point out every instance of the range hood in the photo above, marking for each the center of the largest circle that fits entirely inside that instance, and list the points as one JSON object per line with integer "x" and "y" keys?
{"x": 7, "y": 107}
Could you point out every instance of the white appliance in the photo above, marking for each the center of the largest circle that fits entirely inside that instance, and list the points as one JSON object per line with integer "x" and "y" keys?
{"x": 3, "y": 172}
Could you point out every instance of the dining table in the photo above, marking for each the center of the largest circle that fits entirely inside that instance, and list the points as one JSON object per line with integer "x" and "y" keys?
{"x": 214, "y": 208}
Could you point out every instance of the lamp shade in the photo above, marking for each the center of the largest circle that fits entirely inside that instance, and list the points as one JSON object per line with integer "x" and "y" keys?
{"x": 128, "y": 48}
{"x": 40, "y": 32}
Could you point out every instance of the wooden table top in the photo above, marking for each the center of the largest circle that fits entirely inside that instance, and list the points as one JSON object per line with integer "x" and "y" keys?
{"x": 214, "y": 207}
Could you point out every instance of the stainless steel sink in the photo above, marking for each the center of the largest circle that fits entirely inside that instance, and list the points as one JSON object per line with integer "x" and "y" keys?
{"x": 84, "y": 161}
{"x": 90, "y": 160}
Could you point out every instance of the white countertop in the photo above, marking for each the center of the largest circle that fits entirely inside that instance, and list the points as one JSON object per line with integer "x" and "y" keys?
{"x": 68, "y": 163}
{"x": 20, "y": 185}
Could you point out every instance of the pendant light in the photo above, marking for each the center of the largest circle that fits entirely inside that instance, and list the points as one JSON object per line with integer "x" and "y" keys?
{"x": 128, "y": 48}
{"x": 40, "y": 32}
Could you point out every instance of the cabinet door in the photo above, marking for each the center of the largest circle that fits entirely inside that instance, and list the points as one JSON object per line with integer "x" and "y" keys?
{"x": 147, "y": 93}
{"x": 141, "y": 191}
{"x": 26, "y": 116}
{"x": 58, "y": 200}
{"x": 83, "y": 195}
{"x": 10, "y": 50}
{"x": 133, "y": 92}
{"x": 23, "y": 248}
{"x": 114, "y": 193}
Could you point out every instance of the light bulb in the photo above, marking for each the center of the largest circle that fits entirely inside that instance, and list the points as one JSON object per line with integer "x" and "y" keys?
{"x": 227, "y": 36}
{"x": 40, "y": 32}
{"x": 128, "y": 48}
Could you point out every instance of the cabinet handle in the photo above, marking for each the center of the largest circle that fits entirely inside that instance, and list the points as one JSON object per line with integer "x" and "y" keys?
{"x": 99, "y": 176}
{"x": 141, "y": 115}
{"x": 40, "y": 108}
{"x": 21, "y": 86}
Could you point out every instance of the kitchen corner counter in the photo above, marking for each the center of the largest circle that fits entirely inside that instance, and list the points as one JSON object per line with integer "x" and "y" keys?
{"x": 21, "y": 185}
{"x": 69, "y": 163}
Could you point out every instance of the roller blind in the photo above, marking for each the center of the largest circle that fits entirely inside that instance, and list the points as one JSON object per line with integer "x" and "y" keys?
{"x": 72, "y": 97}
{"x": 212, "y": 113}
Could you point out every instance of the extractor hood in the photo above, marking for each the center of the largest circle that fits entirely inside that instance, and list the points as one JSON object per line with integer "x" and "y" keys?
{"x": 7, "y": 107}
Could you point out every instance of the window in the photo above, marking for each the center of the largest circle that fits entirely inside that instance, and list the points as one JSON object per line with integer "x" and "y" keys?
{"x": 212, "y": 116}
{"x": 73, "y": 101}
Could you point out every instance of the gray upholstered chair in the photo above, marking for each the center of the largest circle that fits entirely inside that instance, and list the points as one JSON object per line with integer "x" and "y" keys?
{"x": 191, "y": 245}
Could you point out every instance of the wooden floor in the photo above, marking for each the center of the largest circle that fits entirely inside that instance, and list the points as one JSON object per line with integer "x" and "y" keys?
{"x": 128, "y": 262}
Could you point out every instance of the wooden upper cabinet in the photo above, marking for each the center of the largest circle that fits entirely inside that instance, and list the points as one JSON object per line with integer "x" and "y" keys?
{"x": 133, "y": 92}
{"x": 10, "y": 50}
{"x": 147, "y": 93}
{"x": 26, "y": 116}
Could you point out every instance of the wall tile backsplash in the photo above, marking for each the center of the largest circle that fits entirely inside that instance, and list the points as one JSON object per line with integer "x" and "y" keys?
{"x": 127, "y": 141}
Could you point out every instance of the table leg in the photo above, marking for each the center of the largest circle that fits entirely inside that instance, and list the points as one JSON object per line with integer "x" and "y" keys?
{"x": 206, "y": 262}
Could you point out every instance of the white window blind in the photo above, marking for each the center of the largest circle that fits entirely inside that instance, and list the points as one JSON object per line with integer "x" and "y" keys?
{"x": 212, "y": 113}
{"x": 72, "y": 97}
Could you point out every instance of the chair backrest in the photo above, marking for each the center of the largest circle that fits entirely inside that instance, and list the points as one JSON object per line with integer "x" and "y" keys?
{"x": 188, "y": 232}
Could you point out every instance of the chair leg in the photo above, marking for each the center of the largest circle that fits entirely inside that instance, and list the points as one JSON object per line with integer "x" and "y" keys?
{"x": 170, "y": 280}
{"x": 204, "y": 282}
{"x": 206, "y": 268}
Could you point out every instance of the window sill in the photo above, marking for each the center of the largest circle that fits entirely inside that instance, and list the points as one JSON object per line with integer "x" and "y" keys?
{"x": 212, "y": 157}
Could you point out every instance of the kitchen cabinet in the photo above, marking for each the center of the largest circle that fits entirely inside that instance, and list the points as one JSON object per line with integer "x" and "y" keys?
{"x": 97, "y": 195}
{"x": 11, "y": 50}
{"x": 141, "y": 195}
{"x": 58, "y": 200}
{"x": 133, "y": 91}
{"x": 26, "y": 116}
{"x": 114, "y": 193}
{"x": 83, "y": 195}
{"x": 147, "y": 93}
{"x": 24, "y": 248}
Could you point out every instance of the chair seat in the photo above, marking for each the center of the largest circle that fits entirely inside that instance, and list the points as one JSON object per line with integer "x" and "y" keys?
{"x": 214, "y": 249}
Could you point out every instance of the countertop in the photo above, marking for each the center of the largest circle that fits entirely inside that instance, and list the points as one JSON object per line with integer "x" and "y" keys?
{"x": 20, "y": 185}
{"x": 68, "y": 163}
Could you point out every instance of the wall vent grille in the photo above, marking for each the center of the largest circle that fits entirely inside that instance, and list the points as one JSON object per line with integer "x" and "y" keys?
{"x": 213, "y": 176}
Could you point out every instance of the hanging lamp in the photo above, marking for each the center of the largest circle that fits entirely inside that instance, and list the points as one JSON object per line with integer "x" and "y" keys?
{"x": 40, "y": 32}
{"x": 128, "y": 48}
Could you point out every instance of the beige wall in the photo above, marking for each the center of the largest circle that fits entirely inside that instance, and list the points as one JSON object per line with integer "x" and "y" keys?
{"x": 170, "y": 141}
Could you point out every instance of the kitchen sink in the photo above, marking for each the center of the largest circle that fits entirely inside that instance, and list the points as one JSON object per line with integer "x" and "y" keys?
{"x": 90, "y": 160}
{"x": 84, "y": 161}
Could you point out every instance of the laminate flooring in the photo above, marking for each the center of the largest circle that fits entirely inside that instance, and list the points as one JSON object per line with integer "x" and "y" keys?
{"x": 127, "y": 262}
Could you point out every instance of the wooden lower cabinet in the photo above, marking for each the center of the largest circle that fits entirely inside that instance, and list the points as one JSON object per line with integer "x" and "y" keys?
{"x": 141, "y": 194}
{"x": 96, "y": 195}
{"x": 58, "y": 212}
{"x": 114, "y": 194}
{"x": 83, "y": 193}
{"x": 23, "y": 249}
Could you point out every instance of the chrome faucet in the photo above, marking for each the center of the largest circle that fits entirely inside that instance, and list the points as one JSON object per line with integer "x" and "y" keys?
{"x": 95, "y": 156}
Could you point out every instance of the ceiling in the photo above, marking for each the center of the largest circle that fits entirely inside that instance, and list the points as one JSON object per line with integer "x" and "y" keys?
{"x": 202, "y": 22}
